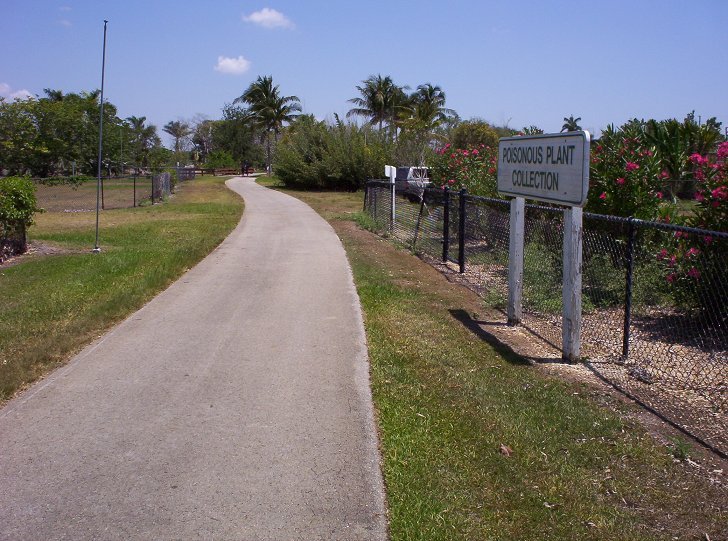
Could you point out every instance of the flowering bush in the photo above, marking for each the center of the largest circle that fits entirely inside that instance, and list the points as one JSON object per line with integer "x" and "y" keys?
{"x": 624, "y": 175}
{"x": 712, "y": 190}
{"x": 474, "y": 169}
{"x": 695, "y": 263}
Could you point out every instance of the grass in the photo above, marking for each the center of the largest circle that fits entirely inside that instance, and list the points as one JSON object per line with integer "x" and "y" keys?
{"x": 478, "y": 444}
{"x": 55, "y": 305}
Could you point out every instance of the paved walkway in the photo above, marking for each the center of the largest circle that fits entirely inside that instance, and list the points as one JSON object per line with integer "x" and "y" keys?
{"x": 235, "y": 405}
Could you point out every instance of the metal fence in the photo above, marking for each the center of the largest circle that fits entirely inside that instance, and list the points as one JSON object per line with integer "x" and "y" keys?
{"x": 115, "y": 193}
{"x": 655, "y": 296}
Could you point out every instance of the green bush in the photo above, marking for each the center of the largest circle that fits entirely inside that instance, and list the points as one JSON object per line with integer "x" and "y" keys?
{"x": 17, "y": 201}
{"x": 315, "y": 155}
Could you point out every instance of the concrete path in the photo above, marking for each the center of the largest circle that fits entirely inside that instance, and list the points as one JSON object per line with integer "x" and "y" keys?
{"x": 235, "y": 405}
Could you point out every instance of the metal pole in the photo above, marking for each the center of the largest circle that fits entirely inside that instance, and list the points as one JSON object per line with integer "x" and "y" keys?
{"x": 446, "y": 226}
{"x": 97, "y": 249}
{"x": 632, "y": 232}
{"x": 461, "y": 232}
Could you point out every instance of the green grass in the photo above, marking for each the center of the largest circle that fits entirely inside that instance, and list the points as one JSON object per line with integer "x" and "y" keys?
{"x": 52, "y": 306}
{"x": 447, "y": 399}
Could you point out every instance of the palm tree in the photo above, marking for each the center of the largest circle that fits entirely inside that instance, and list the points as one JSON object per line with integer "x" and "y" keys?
{"x": 426, "y": 108}
{"x": 571, "y": 124}
{"x": 178, "y": 129}
{"x": 143, "y": 138}
{"x": 380, "y": 101}
{"x": 268, "y": 109}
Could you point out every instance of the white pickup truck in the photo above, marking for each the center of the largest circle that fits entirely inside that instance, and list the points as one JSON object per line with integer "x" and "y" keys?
{"x": 412, "y": 181}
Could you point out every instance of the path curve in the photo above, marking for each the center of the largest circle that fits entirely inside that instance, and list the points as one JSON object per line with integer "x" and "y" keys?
{"x": 235, "y": 405}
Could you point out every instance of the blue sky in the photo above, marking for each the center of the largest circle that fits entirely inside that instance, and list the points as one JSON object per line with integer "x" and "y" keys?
{"x": 514, "y": 62}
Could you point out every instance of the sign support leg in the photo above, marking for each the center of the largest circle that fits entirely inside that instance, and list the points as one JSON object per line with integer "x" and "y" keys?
{"x": 515, "y": 260}
{"x": 571, "y": 293}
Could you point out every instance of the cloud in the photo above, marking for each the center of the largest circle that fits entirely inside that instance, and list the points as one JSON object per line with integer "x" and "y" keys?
{"x": 65, "y": 22}
{"x": 232, "y": 66}
{"x": 6, "y": 91}
{"x": 269, "y": 18}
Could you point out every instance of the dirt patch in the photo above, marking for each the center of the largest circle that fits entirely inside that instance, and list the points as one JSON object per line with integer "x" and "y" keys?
{"x": 37, "y": 250}
{"x": 467, "y": 307}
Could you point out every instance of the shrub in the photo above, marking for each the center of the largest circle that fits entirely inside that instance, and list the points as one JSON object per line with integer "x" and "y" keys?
{"x": 624, "y": 175}
{"x": 315, "y": 155}
{"x": 474, "y": 169}
{"x": 17, "y": 201}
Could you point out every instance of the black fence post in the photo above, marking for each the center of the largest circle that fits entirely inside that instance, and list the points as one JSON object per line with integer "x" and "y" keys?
{"x": 419, "y": 220}
{"x": 461, "y": 231}
{"x": 446, "y": 227}
{"x": 631, "y": 232}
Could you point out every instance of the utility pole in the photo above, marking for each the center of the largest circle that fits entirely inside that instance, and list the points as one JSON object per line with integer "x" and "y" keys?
{"x": 97, "y": 249}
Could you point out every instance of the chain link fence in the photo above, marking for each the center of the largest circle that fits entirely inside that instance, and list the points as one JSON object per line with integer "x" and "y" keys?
{"x": 654, "y": 296}
{"x": 115, "y": 192}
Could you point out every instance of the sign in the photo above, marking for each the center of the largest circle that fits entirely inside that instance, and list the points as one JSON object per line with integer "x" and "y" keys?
{"x": 552, "y": 167}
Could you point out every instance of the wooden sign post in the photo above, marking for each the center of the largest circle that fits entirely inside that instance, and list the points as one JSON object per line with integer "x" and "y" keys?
{"x": 552, "y": 168}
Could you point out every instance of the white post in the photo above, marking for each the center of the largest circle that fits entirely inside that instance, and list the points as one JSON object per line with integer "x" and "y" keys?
{"x": 392, "y": 172}
{"x": 515, "y": 260}
{"x": 571, "y": 293}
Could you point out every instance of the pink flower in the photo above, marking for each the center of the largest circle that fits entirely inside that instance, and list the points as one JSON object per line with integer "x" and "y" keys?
{"x": 671, "y": 277}
{"x": 603, "y": 196}
{"x": 466, "y": 153}
{"x": 721, "y": 192}
{"x": 447, "y": 146}
{"x": 694, "y": 273}
{"x": 491, "y": 170}
{"x": 662, "y": 255}
{"x": 631, "y": 166}
{"x": 451, "y": 181}
{"x": 708, "y": 239}
{"x": 673, "y": 261}
{"x": 659, "y": 195}
{"x": 697, "y": 159}
{"x": 475, "y": 152}
{"x": 620, "y": 181}
{"x": 664, "y": 174}
{"x": 723, "y": 150}
{"x": 699, "y": 197}
{"x": 692, "y": 252}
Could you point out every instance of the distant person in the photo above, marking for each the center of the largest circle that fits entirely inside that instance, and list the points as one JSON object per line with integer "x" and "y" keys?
{"x": 245, "y": 169}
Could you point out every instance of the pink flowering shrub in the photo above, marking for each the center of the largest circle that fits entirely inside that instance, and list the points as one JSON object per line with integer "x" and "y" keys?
{"x": 474, "y": 169}
{"x": 695, "y": 264}
{"x": 711, "y": 191}
{"x": 624, "y": 175}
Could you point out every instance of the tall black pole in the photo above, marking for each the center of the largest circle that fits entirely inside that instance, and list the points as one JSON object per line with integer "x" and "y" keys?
{"x": 97, "y": 249}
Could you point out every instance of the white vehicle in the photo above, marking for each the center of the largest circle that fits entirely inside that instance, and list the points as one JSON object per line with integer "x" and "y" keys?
{"x": 412, "y": 181}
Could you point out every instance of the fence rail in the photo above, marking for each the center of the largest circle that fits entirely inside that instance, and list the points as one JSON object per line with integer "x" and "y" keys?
{"x": 655, "y": 296}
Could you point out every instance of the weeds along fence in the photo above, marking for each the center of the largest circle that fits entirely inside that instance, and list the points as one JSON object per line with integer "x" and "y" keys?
{"x": 115, "y": 193}
{"x": 655, "y": 296}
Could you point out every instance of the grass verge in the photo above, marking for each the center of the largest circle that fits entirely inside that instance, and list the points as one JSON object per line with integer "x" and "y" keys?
{"x": 478, "y": 444}
{"x": 52, "y": 306}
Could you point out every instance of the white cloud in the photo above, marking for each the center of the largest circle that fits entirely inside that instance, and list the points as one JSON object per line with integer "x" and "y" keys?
{"x": 269, "y": 18}
{"x": 65, "y": 22}
{"x": 6, "y": 91}
{"x": 232, "y": 66}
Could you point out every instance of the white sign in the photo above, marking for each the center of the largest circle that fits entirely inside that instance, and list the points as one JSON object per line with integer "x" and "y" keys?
{"x": 552, "y": 167}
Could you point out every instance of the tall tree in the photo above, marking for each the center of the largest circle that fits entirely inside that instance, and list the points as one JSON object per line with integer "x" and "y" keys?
{"x": 571, "y": 124}
{"x": 179, "y": 130}
{"x": 380, "y": 101}
{"x": 269, "y": 110}
{"x": 143, "y": 138}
